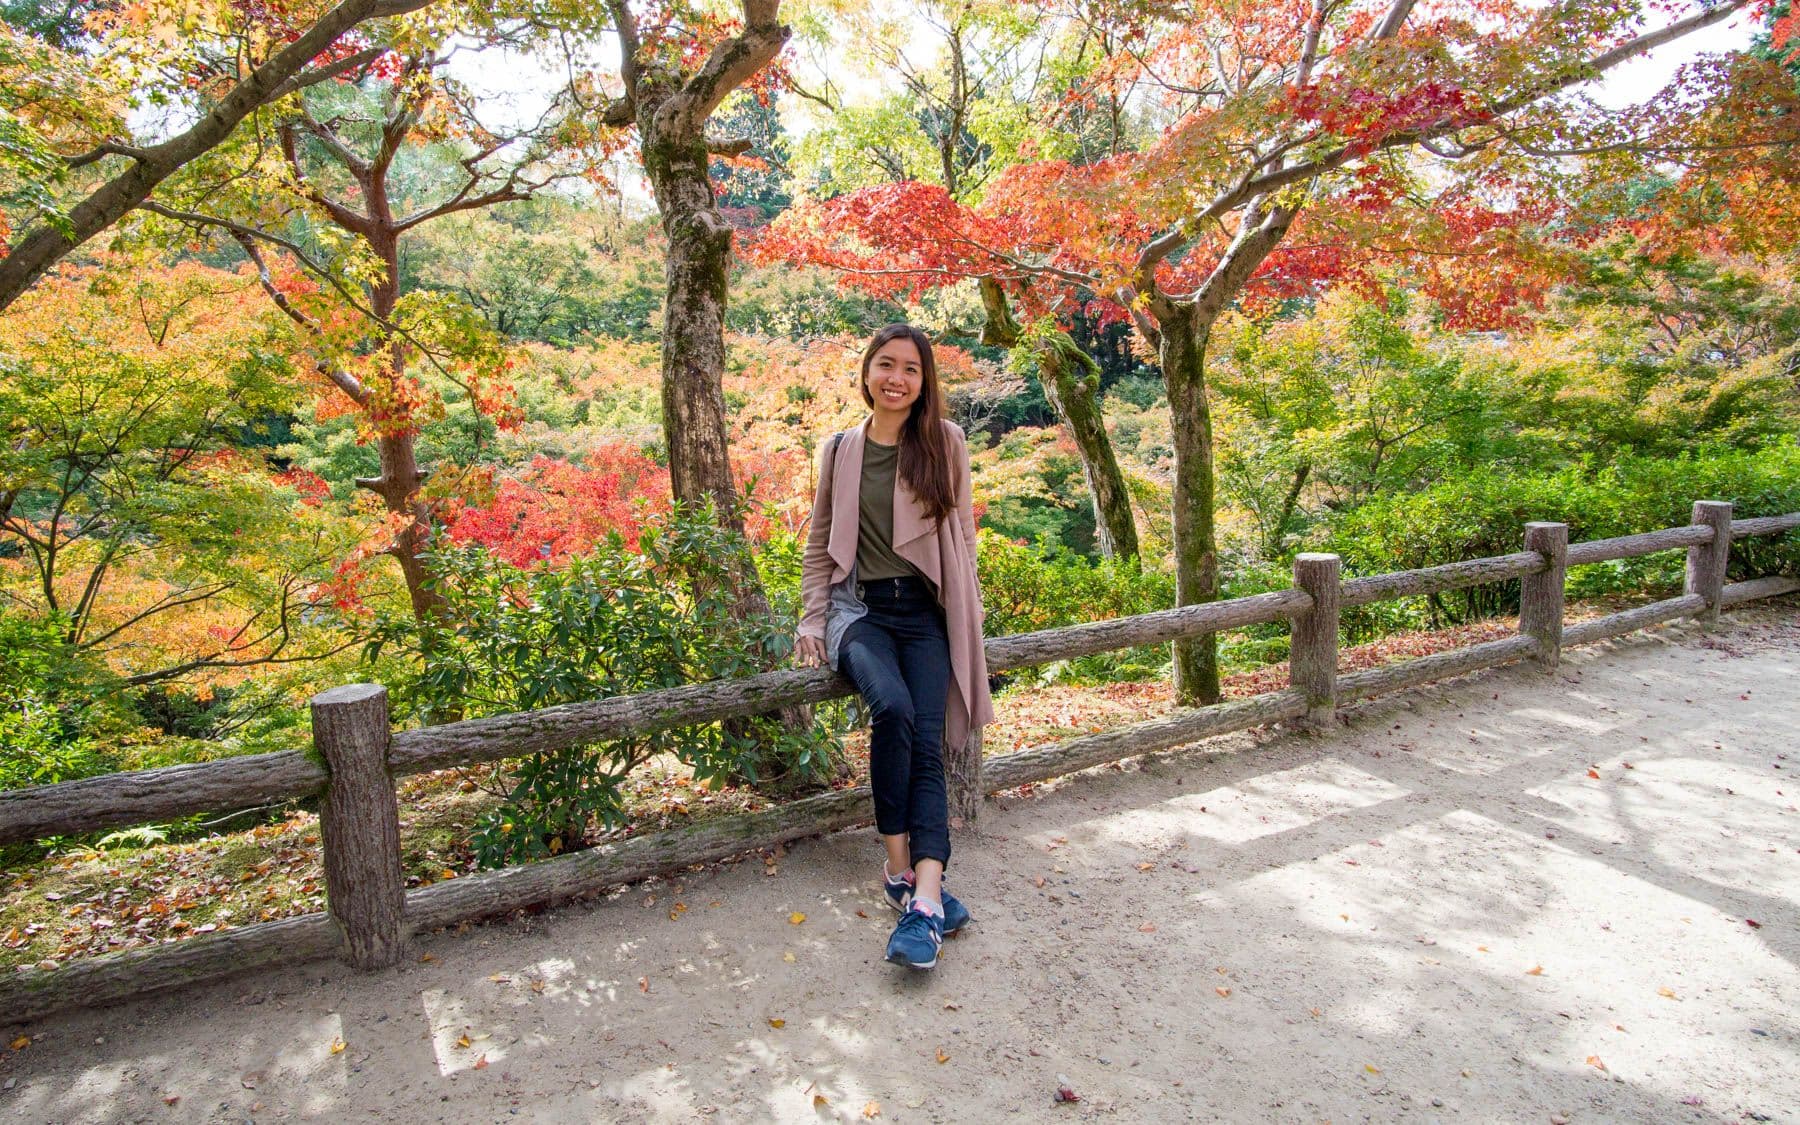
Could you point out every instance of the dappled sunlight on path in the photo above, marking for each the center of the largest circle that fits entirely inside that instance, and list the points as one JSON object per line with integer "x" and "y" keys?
{"x": 1506, "y": 898}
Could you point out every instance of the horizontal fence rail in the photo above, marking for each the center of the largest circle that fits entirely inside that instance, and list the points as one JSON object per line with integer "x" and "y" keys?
{"x": 370, "y": 915}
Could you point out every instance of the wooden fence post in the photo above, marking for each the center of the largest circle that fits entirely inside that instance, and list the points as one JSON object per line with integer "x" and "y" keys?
{"x": 962, "y": 770}
{"x": 1541, "y": 594}
{"x": 1313, "y": 644}
{"x": 1706, "y": 563}
{"x": 359, "y": 824}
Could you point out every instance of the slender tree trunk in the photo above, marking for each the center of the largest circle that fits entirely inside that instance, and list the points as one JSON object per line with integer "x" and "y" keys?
{"x": 1277, "y": 531}
{"x": 1182, "y": 352}
{"x": 1071, "y": 383}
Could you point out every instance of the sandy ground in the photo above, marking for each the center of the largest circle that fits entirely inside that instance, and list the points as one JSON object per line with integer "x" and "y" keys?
{"x": 1437, "y": 912}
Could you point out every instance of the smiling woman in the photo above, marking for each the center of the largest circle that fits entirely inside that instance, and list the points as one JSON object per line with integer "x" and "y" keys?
{"x": 891, "y": 600}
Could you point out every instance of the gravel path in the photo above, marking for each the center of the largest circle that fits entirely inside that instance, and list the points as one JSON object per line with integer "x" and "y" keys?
{"x": 1512, "y": 898}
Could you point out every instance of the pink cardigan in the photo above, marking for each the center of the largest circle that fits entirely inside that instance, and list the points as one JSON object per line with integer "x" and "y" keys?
{"x": 944, "y": 553}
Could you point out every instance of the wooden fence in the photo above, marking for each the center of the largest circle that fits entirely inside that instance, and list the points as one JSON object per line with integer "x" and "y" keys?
{"x": 371, "y": 915}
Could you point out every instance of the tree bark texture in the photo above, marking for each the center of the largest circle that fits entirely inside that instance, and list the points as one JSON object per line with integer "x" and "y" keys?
{"x": 1706, "y": 562}
{"x": 1183, "y": 356}
{"x": 1071, "y": 383}
{"x": 1541, "y": 594}
{"x": 1313, "y": 648}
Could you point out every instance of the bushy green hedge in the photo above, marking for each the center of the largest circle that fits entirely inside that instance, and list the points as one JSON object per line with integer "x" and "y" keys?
{"x": 55, "y": 718}
{"x": 1483, "y": 513}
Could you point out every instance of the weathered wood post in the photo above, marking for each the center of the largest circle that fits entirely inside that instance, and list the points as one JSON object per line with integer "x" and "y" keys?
{"x": 962, "y": 771}
{"x": 1313, "y": 645}
{"x": 1541, "y": 594}
{"x": 359, "y": 824}
{"x": 1706, "y": 562}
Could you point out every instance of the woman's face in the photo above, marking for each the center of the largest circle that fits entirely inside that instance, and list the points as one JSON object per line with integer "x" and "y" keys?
{"x": 895, "y": 376}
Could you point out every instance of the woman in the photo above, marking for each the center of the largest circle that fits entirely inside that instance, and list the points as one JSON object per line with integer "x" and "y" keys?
{"x": 891, "y": 600}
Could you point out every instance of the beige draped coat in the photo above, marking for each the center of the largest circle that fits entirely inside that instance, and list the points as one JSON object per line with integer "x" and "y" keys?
{"x": 943, "y": 552}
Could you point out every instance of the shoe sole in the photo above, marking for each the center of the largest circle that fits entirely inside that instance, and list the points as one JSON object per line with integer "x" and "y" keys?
{"x": 900, "y": 908}
{"x": 931, "y": 964}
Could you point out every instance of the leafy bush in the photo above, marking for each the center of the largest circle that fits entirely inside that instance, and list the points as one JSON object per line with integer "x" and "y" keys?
{"x": 1025, "y": 589}
{"x": 1483, "y": 513}
{"x": 613, "y": 622}
{"x": 52, "y": 721}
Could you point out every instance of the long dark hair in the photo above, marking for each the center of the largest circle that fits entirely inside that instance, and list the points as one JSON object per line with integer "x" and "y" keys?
{"x": 924, "y": 453}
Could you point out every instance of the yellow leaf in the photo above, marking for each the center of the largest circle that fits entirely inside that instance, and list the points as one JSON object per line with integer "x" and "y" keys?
{"x": 1145, "y": 866}
{"x": 796, "y": 918}
{"x": 21, "y": 1043}
{"x": 446, "y": 873}
{"x": 1666, "y": 993}
{"x": 1594, "y": 1061}
{"x": 942, "y": 1057}
{"x": 1535, "y": 971}
{"x": 820, "y": 1101}
{"x": 872, "y": 1110}
{"x": 777, "y": 1024}
{"x": 462, "y": 1041}
{"x": 537, "y": 986}
{"x": 1481, "y": 949}
{"x": 427, "y": 957}
{"x": 1345, "y": 917}
{"x": 788, "y": 957}
{"x": 1222, "y": 991}
{"x": 337, "y": 1046}
{"x": 1371, "y": 1068}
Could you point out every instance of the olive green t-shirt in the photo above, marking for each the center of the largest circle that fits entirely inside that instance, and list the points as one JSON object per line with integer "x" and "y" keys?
{"x": 875, "y": 557}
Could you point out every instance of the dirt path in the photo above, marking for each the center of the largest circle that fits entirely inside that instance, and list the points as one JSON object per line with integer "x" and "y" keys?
{"x": 1437, "y": 912}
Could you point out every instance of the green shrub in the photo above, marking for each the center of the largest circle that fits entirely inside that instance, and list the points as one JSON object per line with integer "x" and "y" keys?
{"x": 613, "y": 623}
{"x": 54, "y": 714}
{"x": 1483, "y": 513}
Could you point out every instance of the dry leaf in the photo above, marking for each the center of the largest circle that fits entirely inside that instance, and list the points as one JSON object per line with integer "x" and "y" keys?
{"x": 1594, "y": 1061}
{"x": 952, "y": 1006}
{"x": 1666, "y": 993}
{"x": 446, "y": 873}
{"x": 499, "y": 979}
{"x": 1222, "y": 991}
{"x": 820, "y": 1101}
{"x": 462, "y": 1041}
{"x": 427, "y": 957}
{"x": 21, "y": 1043}
{"x": 537, "y": 986}
{"x": 1481, "y": 949}
{"x": 796, "y": 918}
{"x": 1535, "y": 971}
{"x": 1145, "y": 866}
{"x": 1345, "y": 917}
{"x": 1753, "y": 923}
{"x": 1147, "y": 928}
{"x": 1594, "y": 774}
{"x": 643, "y": 984}
{"x": 942, "y": 1057}
{"x": 777, "y": 1024}
{"x": 788, "y": 957}
{"x": 862, "y": 913}
{"x": 337, "y": 1046}
{"x": 1037, "y": 880}
{"x": 1316, "y": 1013}
{"x": 171, "y": 1099}
{"x": 872, "y": 1110}
{"x": 481, "y": 1063}
{"x": 1371, "y": 1068}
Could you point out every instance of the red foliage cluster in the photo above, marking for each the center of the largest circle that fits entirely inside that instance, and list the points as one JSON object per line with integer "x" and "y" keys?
{"x": 1367, "y": 116}
{"x": 557, "y": 509}
{"x": 311, "y": 486}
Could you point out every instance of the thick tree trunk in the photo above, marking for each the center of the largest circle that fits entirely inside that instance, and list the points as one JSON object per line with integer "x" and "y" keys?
{"x": 1071, "y": 383}
{"x": 1182, "y": 352}
{"x": 693, "y": 353}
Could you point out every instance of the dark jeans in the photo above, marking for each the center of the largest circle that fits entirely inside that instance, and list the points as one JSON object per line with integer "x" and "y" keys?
{"x": 899, "y": 658}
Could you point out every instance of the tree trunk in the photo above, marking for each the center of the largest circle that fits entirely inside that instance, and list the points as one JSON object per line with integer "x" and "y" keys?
{"x": 693, "y": 354}
{"x": 1275, "y": 534}
{"x": 1182, "y": 351}
{"x": 1071, "y": 382}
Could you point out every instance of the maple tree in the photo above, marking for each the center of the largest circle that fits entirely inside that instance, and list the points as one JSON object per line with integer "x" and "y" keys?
{"x": 351, "y": 171}
{"x": 70, "y": 166}
{"x": 138, "y": 523}
{"x": 1299, "y": 143}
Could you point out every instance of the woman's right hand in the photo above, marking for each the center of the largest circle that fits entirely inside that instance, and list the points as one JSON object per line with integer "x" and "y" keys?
{"x": 810, "y": 651}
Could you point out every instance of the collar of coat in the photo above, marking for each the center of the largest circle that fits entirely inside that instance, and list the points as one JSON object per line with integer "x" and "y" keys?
{"x": 915, "y": 536}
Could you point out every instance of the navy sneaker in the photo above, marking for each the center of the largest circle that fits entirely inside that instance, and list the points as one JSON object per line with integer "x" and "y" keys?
{"x": 899, "y": 896}
{"x": 916, "y": 939}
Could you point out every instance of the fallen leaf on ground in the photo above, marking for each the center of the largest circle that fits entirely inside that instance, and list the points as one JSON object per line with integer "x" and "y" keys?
{"x": 498, "y": 978}
{"x": 537, "y": 986}
{"x": 1753, "y": 923}
{"x": 1593, "y": 774}
{"x": 1371, "y": 1068}
{"x": 1222, "y": 990}
{"x": 1666, "y": 993}
{"x": 820, "y": 1101}
{"x": 643, "y": 984}
{"x": 1345, "y": 917}
{"x": 952, "y": 1006}
{"x": 462, "y": 1041}
{"x": 1481, "y": 949}
{"x": 1037, "y": 880}
{"x": 872, "y": 1110}
{"x": 796, "y": 918}
{"x": 1594, "y": 1061}
{"x": 171, "y": 1099}
{"x": 1535, "y": 971}
{"x": 862, "y": 913}
{"x": 337, "y": 1046}
{"x": 942, "y": 1057}
{"x": 427, "y": 957}
{"x": 1145, "y": 866}
{"x": 481, "y": 1063}
{"x": 1064, "y": 1092}
{"x": 1316, "y": 1013}
{"x": 1147, "y": 928}
{"x": 788, "y": 957}
{"x": 21, "y": 1043}
{"x": 777, "y": 1024}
